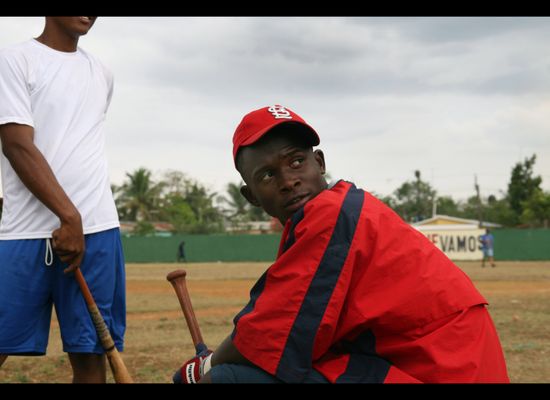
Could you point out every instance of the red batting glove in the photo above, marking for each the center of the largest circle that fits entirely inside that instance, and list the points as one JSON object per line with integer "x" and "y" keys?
{"x": 194, "y": 369}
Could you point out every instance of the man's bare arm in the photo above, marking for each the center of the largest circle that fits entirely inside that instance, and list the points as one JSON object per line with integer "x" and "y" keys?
{"x": 36, "y": 174}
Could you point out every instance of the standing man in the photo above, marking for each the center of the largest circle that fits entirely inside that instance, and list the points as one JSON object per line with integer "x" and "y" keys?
{"x": 181, "y": 252}
{"x": 487, "y": 246}
{"x": 59, "y": 213}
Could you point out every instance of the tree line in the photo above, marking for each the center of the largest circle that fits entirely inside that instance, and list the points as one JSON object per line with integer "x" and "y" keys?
{"x": 523, "y": 204}
{"x": 190, "y": 207}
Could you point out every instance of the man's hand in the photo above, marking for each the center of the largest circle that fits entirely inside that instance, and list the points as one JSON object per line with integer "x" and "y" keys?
{"x": 194, "y": 369}
{"x": 68, "y": 242}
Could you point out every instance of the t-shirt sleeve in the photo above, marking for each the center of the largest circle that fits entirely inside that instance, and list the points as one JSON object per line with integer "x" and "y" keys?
{"x": 279, "y": 329}
{"x": 15, "y": 99}
{"x": 110, "y": 85}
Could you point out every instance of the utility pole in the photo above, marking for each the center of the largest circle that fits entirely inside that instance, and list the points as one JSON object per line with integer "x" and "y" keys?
{"x": 434, "y": 199}
{"x": 479, "y": 210}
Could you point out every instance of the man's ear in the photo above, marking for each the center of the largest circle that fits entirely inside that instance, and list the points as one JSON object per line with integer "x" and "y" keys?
{"x": 320, "y": 158}
{"x": 247, "y": 193}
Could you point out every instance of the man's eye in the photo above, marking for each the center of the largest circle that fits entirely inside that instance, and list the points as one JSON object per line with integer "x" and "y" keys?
{"x": 296, "y": 162}
{"x": 266, "y": 176}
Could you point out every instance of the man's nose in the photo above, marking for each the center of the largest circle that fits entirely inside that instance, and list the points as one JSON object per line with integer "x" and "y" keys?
{"x": 288, "y": 180}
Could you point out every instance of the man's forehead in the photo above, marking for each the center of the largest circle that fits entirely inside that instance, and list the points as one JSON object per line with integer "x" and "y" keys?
{"x": 261, "y": 155}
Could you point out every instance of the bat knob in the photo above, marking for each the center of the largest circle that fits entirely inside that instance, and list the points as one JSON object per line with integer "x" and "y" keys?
{"x": 179, "y": 273}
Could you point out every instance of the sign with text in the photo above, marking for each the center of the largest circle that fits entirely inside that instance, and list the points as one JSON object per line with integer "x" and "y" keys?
{"x": 457, "y": 244}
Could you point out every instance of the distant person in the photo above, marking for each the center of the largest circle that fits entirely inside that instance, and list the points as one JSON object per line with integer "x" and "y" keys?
{"x": 356, "y": 295}
{"x": 181, "y": 252}
{"x": 59, "y": 213}
{"x": 487, "y": 246}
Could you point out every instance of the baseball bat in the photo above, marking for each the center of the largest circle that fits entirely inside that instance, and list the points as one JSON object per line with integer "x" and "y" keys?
{"x": 120, "y": 373}
{"x": 177, "y": 279}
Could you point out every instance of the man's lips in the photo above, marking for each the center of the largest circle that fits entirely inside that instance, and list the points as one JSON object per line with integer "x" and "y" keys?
{"x": 296, "y": 202}
{"x": 87, "y": 20}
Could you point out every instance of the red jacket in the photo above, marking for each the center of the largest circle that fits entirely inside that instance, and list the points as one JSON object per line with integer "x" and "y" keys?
{"x": 360, "y": 296}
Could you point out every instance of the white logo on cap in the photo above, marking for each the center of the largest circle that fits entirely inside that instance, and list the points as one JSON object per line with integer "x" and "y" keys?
{"x": 279, "y": 112}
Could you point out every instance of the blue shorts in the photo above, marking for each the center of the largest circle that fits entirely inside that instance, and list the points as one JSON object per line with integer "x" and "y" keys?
{"x": 488, "y": 253}
{"x": 29, "y": 288}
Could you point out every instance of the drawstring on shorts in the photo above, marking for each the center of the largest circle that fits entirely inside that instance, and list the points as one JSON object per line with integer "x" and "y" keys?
{"x": 48, "y": 258}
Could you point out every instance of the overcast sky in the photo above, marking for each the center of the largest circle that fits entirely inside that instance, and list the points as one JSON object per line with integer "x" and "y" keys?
{"x": 451, "y": 97}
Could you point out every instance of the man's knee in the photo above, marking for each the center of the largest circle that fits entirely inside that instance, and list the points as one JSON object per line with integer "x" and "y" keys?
{"x": 88, "y": 368}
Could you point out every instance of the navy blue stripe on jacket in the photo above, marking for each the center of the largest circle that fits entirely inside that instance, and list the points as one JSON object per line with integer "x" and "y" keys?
{"x": 364, "y": 365}
{"x": 294, "y": 220}
{"x": 296, "y": 360}
{"x": 255, "y": 292}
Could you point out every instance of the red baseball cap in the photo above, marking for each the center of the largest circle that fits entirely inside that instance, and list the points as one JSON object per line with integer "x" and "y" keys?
{"x": 257, "y": 123}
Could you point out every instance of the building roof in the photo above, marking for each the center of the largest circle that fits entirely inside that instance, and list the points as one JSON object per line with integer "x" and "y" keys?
{"x": 447, "y": 221}
{"x": 251, "y": 227}
{"x": 129, "y": 226}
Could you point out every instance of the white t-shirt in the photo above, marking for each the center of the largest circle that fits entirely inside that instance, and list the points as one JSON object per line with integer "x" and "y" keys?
{"x": 64, "y": 97}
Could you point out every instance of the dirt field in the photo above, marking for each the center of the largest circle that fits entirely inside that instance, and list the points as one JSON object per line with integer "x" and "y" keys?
{"x": 158, "y": 341}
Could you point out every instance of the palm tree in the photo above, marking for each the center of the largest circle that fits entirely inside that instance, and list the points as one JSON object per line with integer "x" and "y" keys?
{"x": 240, "y": 209}
{"x": 138, "y": 197}
{"x": 238, "y": 205}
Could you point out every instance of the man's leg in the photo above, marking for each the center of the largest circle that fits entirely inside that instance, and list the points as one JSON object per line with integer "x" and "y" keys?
{"x": 2, "y": 358}
{"x": 88, "y": 368}
{"x": 490, "y": 256}
{"x": 103, "y": 269}
{"x": 238, "y": 373}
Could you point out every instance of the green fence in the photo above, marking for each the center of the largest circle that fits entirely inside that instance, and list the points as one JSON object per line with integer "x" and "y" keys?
{"x": 201, "y": 248}
{"x": 522, "y": 244}
{"x": 510, "y": 244}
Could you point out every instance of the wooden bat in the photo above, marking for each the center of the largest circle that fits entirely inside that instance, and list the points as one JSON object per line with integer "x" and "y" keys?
{"x": 120, "y": 373}
{"x": 177, "y": 279}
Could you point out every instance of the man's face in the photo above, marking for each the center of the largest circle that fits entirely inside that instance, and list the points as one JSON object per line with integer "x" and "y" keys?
{"x": 281, "y": 175}
{"x": 74, "y": 26}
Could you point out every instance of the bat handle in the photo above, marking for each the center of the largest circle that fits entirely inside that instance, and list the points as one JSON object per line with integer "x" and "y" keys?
{"x": 99, "y": 323}
{"x": 200, "y": 347}
{"x": 177, "y": 279}
{"x": 118, "y": 367}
